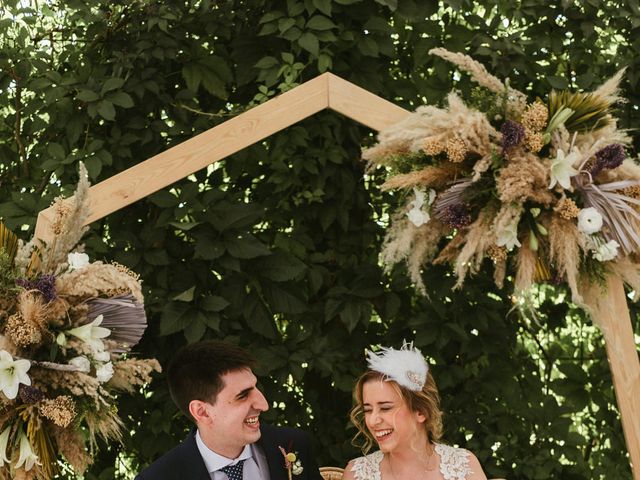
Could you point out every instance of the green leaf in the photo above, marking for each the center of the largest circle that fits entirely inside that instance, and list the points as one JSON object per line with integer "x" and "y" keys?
{"x": 87, "y": 96}
{"x": 121, "y": 99}
{"x": 195, "y": 329}
{"x": 192, "y": 76}
{"x": 207, "y": 247}
{"x": 106, "y": 110}
{"x": 392, "y": 4}
{"x": 163, "y": 199}
{"x": 214, "y": 303}
{"x": 323, "y": 5}
{"x": 319, "y": 22}
{"x": 186, "y": 296}
{"x": 56, "y": 151}
{"x": 281, "y": 267}
{"x": 283, "y": 300}
{"x": 558, "y": 83}
{"x": 111, "y": 84}
{"x": 172, "y": 314}
{"x": 309, "y": 42}
{"x": 266, "y": 63}
{"x": 156, "y": 257}
{"x": 258, "y": 318}
{"x": 246, "y": 246}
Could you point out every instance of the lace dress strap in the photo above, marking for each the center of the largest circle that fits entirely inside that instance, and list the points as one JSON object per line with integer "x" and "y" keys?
{"x": 368, "y": 467}
{"x": 454, "y": 462}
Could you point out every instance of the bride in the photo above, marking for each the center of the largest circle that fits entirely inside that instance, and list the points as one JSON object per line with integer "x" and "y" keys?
{"x": 397, "y": 406}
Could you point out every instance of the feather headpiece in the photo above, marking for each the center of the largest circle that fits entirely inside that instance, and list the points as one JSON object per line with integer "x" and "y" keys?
{"x": 407, "y": 367}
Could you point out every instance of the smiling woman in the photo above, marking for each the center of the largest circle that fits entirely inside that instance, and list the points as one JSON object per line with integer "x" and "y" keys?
{"x": 397, "y": 406}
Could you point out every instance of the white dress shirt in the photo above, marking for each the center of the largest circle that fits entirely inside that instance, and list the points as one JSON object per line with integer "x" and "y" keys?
{"x": 255, "y": 465}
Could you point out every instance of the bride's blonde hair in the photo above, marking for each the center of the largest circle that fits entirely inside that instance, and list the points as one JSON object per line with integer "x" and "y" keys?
{"x": 425, "y": 401}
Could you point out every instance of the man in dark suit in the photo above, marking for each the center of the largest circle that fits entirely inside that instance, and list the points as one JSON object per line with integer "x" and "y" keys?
{"x": 213, "y": 384}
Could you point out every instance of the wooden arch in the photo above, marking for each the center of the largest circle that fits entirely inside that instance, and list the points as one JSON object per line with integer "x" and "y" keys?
{"x": 330, "y": 91}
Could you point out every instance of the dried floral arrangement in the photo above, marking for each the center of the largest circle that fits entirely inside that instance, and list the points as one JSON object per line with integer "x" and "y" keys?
{"x": 66, "y": 330}
{"x": 542, "y": 188}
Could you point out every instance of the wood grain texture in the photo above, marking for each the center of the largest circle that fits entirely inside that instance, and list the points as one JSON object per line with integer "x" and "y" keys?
{"x": 610, "y": 312}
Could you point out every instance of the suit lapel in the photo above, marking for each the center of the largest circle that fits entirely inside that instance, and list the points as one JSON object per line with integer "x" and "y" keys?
{"x": 192, "y": 461}
{"x": 269, "y": 444}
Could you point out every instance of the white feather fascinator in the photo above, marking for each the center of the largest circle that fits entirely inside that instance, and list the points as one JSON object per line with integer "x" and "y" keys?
{"x": 407, "y": 367}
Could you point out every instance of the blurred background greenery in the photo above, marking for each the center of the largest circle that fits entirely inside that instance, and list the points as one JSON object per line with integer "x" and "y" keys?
{"x": 276, "y": 247}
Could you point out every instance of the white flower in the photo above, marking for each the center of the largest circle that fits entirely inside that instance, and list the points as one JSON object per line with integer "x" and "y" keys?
{"x": 4, "y": 440}
{"x": 416, "y": 215}
{"x": 102, "y": 356}
{"x": 297, "y": 467}
{"x": 61, "y": 339}
{"x": 562, "y": 169}
{"x": 606, "y": 251}
{"x": 81, "y": 363}
{"x": 589, "y": 220}
{"x": 105, "y": 372}
{"x": 77, "y": 261}
{"x": 27, "y": 457}
{"x": 12, "y": 374}
{"x": 92, "y": 333}
{"x": 508, "y": 237}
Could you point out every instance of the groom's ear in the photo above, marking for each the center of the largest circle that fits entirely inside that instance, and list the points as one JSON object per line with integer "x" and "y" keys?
{"x": 201, "y": 412}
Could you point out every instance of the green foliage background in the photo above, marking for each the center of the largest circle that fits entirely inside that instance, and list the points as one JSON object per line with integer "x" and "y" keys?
{"x": 276, "y": 247}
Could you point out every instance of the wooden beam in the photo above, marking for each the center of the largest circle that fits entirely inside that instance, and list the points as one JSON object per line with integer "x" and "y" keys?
{"x": 610, "y": 312}
{"x": 200, "y": 151}
{"x": 363, "y": 106}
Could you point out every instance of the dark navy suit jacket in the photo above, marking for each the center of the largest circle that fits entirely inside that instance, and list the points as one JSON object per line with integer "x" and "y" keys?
{"x": 184, "y": 462}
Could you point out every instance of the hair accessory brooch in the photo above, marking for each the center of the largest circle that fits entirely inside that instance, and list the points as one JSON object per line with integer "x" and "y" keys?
{"x": 407, "y": 367}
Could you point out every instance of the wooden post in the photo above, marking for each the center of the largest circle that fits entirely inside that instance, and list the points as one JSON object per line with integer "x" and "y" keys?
{"x": 610, "y": 312}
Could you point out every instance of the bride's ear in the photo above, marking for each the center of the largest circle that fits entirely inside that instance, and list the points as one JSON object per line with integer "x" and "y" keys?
{"x": 421, "y": 417}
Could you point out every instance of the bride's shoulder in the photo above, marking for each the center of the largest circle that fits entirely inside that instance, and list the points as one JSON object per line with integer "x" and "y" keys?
{"x": 458, "y": 463}
{"x": 366, "y": 467}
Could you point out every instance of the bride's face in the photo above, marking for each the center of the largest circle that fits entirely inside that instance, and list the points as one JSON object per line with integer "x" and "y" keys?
{"x": 388, "y": 417}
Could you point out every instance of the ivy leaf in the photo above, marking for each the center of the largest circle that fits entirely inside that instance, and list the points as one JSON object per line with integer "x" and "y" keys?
{"x": 281, "y": 267}
{"x": 319, "y": 22}
{"x": 214, "y": 303}
{"x": 111, "y": 84}
{"x": 246, "y": 246}
{"x": 309, "y": 42}
{"x": 106, "y": 110}
{"x": 186, "y": 296}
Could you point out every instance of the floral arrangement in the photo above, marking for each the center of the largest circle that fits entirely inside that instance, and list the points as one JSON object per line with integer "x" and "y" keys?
{"x": 544, "y": 187}
{"x": 67, "y": 326}
{"x": 292, "y": 463}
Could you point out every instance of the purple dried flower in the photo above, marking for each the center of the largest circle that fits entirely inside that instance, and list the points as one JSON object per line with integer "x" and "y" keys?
{"x": 26, "y": 284}
{"x": 456, "y": 216}
{"x": 29, "y": 394}
{"x": 610, "y": 157}
{"x": 512, "y": 134}
{"x": 45, "y": 284}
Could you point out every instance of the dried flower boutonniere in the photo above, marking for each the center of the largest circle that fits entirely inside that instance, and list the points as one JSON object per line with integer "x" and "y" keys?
{"x": 292, "y": 463}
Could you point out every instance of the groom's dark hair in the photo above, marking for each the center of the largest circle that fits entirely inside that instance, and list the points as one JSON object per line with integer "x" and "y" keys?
{"x": 195, "y": 371}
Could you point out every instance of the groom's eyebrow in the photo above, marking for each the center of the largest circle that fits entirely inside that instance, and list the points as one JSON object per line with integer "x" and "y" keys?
{"x": 244, "y": 393}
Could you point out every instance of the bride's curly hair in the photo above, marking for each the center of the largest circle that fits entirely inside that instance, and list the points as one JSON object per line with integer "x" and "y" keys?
{"x": 426, "y": 401}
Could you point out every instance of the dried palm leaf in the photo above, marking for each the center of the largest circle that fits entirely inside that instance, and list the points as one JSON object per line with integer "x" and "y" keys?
{"x": 590, "y": 111}
{"x": 8, "y": 242}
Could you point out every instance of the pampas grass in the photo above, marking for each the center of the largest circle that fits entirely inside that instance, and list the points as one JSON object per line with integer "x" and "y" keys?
{"x": 431, "y": 176}
{"x": 565, "y": 248}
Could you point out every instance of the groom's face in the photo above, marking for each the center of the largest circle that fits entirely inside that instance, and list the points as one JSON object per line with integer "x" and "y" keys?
{"x": 235, "y": 414}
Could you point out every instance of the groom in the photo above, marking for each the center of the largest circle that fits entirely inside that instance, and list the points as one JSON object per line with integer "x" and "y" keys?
{"x": 212, "y": 383}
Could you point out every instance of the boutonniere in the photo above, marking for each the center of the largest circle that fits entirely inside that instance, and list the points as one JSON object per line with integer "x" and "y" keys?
{"x": 292, "y": 463}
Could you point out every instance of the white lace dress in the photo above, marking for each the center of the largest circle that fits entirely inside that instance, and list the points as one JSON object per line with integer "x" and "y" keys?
{"x": 454, "y": 464}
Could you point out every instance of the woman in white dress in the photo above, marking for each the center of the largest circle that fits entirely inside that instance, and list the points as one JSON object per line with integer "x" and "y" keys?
{"x": 397, "y": 407}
